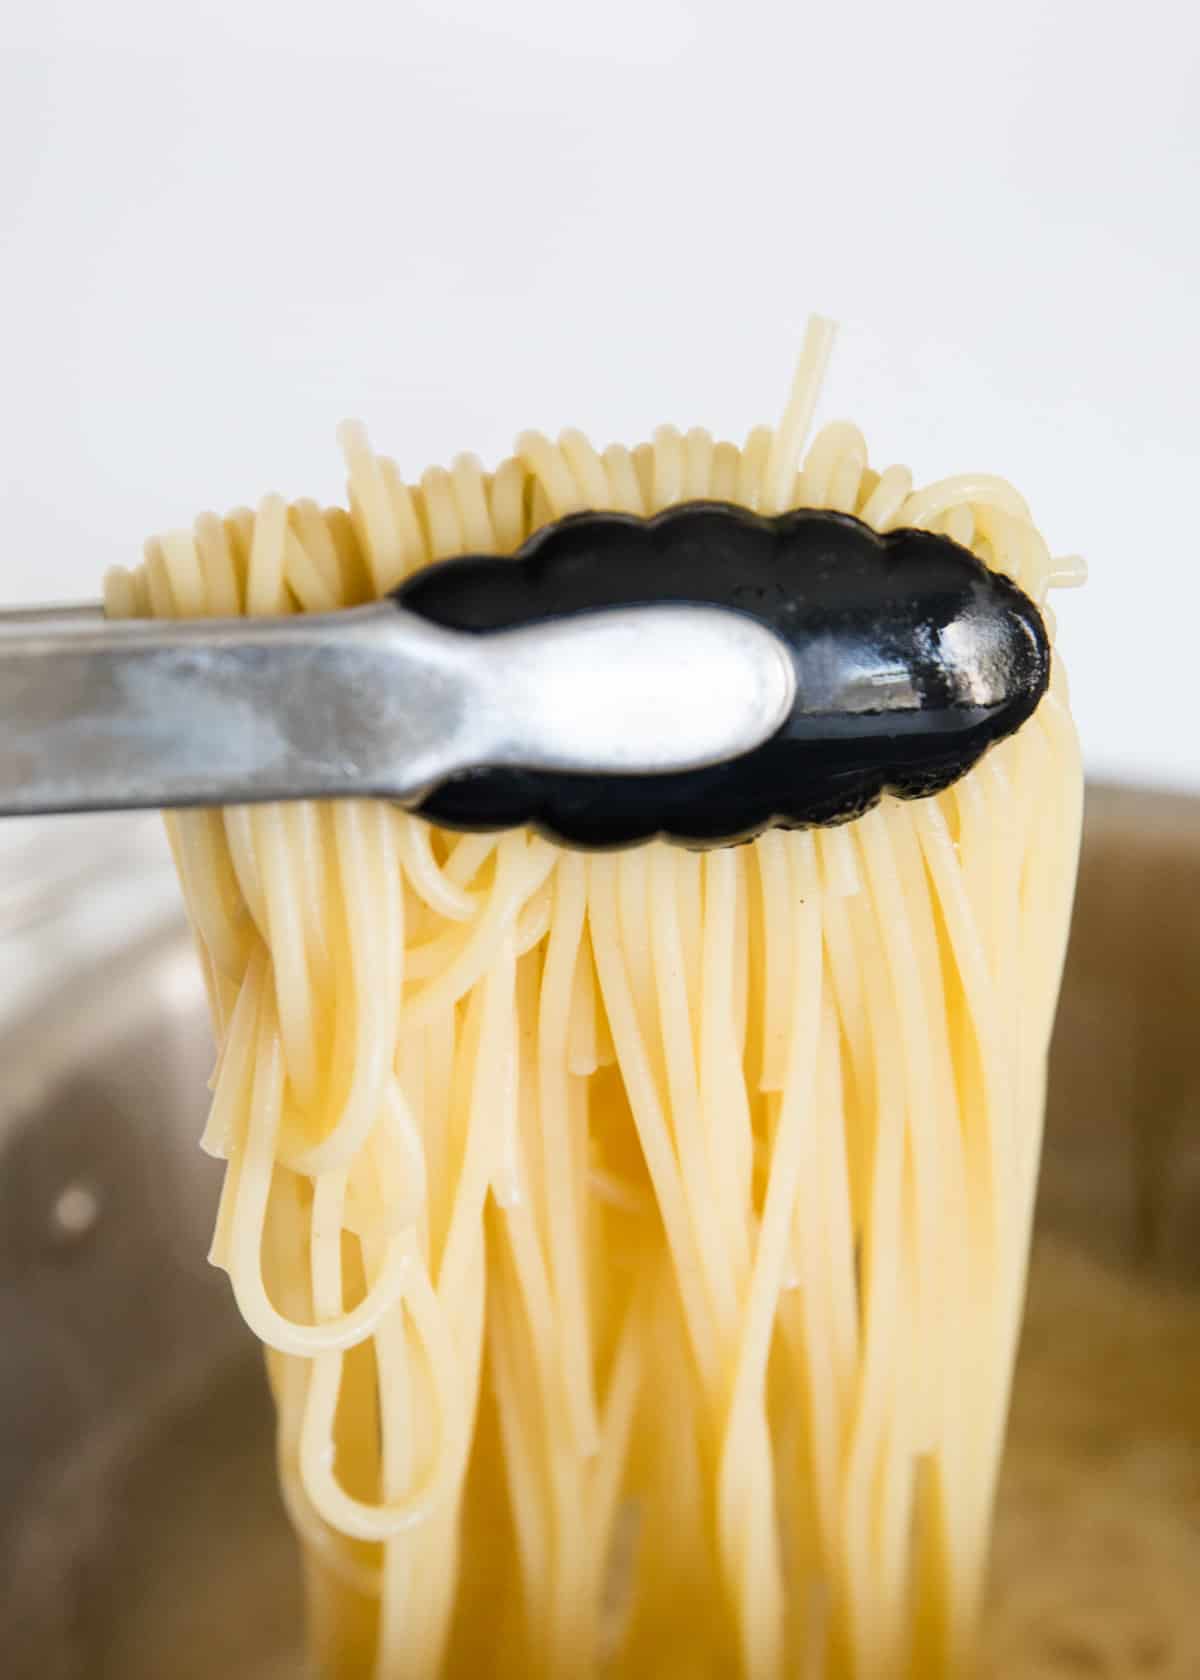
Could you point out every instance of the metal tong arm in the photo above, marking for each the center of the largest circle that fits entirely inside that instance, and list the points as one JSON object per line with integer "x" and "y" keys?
{"x": 374, "y": 700}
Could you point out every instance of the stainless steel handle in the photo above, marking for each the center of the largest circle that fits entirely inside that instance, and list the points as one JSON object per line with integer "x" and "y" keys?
{"x": 372, "y": 700}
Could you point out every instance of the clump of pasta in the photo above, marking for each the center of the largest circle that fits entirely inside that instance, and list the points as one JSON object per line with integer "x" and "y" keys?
{"x": 638, "y": 1239}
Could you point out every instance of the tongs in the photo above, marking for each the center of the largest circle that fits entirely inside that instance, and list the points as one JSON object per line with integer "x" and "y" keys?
{"x": 100, "y": 715}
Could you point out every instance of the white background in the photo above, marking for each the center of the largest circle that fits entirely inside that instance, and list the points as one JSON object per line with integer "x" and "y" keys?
{"x": 225, "y": 228}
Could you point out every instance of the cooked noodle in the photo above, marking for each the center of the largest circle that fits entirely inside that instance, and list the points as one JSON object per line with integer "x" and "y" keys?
{"x": 638, "y": 1239}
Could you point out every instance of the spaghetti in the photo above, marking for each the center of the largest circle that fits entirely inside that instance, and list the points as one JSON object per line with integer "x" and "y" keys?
{"x": 637, "y": 1239}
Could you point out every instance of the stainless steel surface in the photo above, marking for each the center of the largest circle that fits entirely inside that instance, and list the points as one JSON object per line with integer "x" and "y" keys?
{"x": 372, "y": 700}
{"x": 128, "y": 1392}
{"x": 140, "y": 1533}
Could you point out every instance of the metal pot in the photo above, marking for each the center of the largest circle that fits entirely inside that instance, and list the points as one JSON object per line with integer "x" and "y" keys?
{"x": 140, "y": 1531}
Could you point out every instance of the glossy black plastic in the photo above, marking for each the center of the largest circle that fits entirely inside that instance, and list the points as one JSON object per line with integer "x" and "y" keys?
{"x": 911, "y": 656}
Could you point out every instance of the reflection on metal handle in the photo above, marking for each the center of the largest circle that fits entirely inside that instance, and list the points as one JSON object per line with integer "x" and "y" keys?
{"x": 372, "y": 700}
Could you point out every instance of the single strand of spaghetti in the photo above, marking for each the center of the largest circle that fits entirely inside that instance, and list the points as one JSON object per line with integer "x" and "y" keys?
{"x": 428, "y": 879}
{"x": 633, "y": 926}
{"x": 506, "y": 503}
{"x": 683, "y": 1098}
{"x": 949, "y": 1434}
{"x": 586, "y": 468}
{"x": 725, "y": 1108}
{"x": 215, "y": 902}
{"x": 698, "y": 464}
{"x": 583, "y": 1052}
{"x": 784, "y": 457}
{"x": 162, "y": 602}
{"x": 616, "y": 1426}
{"x": 741, "y": 961}
{"x": 973, "y": 837}
{"x": 958, "y": 523}
{"x": 941, "y": 1100}
{"x": 439, "y": 1114}
{"x": 470, "y": 499}
{"x": 441, "y": 514}
{"x": 883, "y": 508}
{"x": 689, "y": 911}
{"x": 120, "y": 593}
{"x": 283, "y": 894}
{"x": 218, "y": 988}
{"x": 470, "y": 1098}
{"x": 412, "y": 547}
{"x": 183, "y": 567}
{"x": 305, "y": 579}
{"x": 516, "y": 1411}
{"x": 265, "y": 591}
{"x": 388, "y": 1178}
{"x": 1060, "y": 771}
{"x": 529, "y": 1121}
{"x": 867, "y": 484}
{"x": 564, "y": 1461}
{"x": 836, "y": 1239}
{"x": 982, "y": 1153}
{"x": 533, "y": 924}
{"x": 845, "y": 485}
{"x": 986, "y": 1118}
{"x": 752, "y": 464}
{"x": 216, "y": 558}
{"x": 249, "y": 1212}
{"x": 755, "y": 1563}
{"x": 1066, "y": 571}
{"x": 227, "y": 1118}
{"x": 226, "y": 1111}
{"x": 310, "y": 834}
{"x": 516, "y": 879}
{"x": 792, "y": 1175}
{"x": 354, "y": 1517}
{"x": 550, "y": 470}
{"x": 833, "y": 467}
{"x": 357, "y": 584}
{"x": 431, "y": 957}
{"x": 239, "y": 534}
{"x": 287, "y": 1237}
{"x": 507, "y": 1185}
{"x": 141, "y": 592}
{"x": 840, "y": 876}
{"x": 530, "y": 1281}
{"x": 983, "y": 489}
{"x": 566, "y": 1214}
{"x": 643, "y": 466}
{"x": 1022, "y": 553}
{"x": 669, "y": 484}
{"x": 624, "y": 491}
{"x": 872, "y": 1622}
{"x": 770, "y": 851}
{"x": 396, "y": 1470}
{"x": 469, "y": 854}
{"x": 429, "y": 1564}
{"x": 623, "y": 1017}
{"x": 742, "y": 1443}
{"x": 238, "y": 822}
{"x": 364, "y": 1030}
{"x": 723, "y": 481}
{"x": 1003, "y": 892}
{"x": 873, "y": 836}
{"x": 896, "y": 1486}
{"x": 307, "y": 524}
{"x": 538, "y": 508}
{"x": 1000, "y": 536}
{"x": 371, "y": 508}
